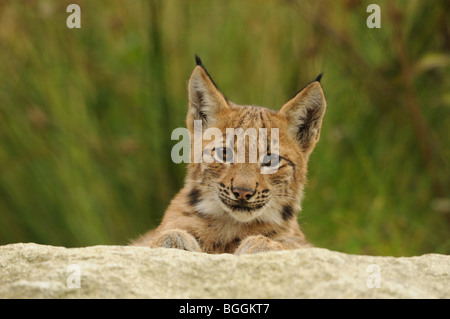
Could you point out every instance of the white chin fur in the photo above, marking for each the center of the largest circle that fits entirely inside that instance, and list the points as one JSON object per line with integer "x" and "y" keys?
{"x": 213, "y": 206}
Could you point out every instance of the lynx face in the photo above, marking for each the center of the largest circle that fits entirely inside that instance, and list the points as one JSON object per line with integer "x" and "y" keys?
{"x": 266, "y": 182}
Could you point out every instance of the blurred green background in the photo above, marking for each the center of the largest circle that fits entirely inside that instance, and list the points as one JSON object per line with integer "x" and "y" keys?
{"x": 86, "y": 114}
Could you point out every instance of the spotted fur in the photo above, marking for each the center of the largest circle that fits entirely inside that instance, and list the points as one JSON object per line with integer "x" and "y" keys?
{"x": 232, "y": 207}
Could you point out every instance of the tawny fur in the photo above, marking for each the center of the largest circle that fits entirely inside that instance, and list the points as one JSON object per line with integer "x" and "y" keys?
{"x": 199, "y": 218}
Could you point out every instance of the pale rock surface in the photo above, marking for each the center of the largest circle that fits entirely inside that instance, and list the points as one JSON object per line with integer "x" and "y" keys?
{"x": 38, "y": 271}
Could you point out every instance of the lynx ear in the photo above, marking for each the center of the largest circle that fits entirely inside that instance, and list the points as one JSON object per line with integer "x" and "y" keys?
{"x": 205, "y": 99}
{"x": 304, "y": 114}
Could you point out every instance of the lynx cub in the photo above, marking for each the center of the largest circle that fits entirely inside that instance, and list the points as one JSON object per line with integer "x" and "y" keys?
{"x": 228, "y": 206}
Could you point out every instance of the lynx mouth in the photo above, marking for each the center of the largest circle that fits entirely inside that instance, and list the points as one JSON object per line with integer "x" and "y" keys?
{"x": 241, "y": 205}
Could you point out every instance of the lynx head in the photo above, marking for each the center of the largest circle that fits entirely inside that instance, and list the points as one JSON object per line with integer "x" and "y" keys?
{"x": 259, "y": 172}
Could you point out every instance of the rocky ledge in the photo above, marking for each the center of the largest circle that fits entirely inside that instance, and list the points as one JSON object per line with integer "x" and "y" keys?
{"x": 38, "y": 271}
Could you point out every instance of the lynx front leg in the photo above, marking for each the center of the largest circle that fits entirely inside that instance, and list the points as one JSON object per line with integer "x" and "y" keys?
{"x": 175, "y": 238}
{"x": 257, "y": 244}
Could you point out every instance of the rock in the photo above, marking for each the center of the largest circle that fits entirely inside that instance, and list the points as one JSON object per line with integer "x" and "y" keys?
{"x": 37, "y": 271}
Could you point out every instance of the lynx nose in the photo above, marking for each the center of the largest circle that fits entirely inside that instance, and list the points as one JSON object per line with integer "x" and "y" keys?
{"x": 243, "y": 193}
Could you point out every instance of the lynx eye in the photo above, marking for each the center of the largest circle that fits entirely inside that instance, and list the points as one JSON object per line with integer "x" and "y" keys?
{"x": 272, "y": 160}
{"x": 223, "y": 154}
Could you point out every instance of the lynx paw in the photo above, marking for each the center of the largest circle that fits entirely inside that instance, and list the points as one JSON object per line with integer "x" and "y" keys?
{"x": 175, "y": 238}
{"x": 257, "y": 244}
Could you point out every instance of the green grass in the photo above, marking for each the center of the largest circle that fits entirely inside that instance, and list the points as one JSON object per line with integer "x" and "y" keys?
{"x": 86, "y": 114}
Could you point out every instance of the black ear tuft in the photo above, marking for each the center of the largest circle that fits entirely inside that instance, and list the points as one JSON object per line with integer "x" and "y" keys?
{"x": 198, "y": 61}
{"x": 318, "y": 78}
